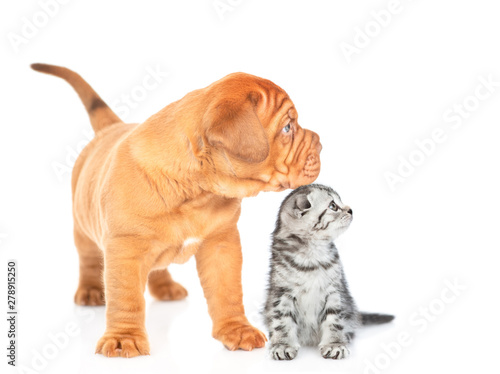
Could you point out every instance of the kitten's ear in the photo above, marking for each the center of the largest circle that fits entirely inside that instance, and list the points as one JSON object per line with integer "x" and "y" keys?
{"x": 302, "y": 205}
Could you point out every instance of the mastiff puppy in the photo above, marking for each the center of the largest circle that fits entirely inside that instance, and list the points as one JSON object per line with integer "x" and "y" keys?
{"x": 148, "y": 195}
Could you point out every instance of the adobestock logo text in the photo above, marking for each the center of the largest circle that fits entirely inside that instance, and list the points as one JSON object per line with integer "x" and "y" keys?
{"x": 364, "y": 35}
{"x": 419, "y": 321}
{"x": 454, "y": 118}
{"x": 32, "y": 25}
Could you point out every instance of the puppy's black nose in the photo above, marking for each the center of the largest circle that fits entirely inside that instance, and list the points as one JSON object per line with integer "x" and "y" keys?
{"x": 350, "y": 211}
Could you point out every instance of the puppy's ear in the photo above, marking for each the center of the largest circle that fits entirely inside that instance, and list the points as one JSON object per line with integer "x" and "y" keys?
{"x": 302, "y": 205}
{"x": 235, "y": 127}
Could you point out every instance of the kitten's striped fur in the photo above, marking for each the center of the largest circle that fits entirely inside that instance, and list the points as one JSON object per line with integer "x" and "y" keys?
{"x": 308, "y": 301}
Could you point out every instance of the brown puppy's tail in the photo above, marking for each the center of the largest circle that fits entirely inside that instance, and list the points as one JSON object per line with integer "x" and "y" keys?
{"x": 100, "y": 113}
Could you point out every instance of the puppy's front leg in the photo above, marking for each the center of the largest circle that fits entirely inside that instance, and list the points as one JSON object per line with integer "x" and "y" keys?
{"x": 126, "y": 273}
{"x": 219, "y": 262}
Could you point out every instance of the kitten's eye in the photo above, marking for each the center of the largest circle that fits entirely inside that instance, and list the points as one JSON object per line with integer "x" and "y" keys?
{"x": 333, "y": 206}
{"x": 287, "y": 128}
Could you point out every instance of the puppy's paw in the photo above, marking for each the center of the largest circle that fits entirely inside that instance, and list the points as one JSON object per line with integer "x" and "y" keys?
{"x": 91, "y": 296}
{"x": 335, "y": 351}
{"x": 167, "y": 291}
{"x": 123, "y": 345}
{"x": 283, "y": 352}
{"x": 240, "y": 336}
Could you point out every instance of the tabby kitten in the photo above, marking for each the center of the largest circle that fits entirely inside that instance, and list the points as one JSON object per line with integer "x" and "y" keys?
{"x": 308, "y": 301}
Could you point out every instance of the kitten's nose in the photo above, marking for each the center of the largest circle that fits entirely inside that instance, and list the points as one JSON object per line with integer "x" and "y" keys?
{"x": 350, "y": 211}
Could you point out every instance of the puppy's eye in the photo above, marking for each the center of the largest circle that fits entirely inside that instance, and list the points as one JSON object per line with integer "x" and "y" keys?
{"x": 333, "y": 206}
{"x": 287, "y": 128}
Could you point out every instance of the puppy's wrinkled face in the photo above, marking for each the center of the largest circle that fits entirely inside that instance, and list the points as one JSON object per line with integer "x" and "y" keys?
{"x": 295, "y": 155}
{"x": 256, "y": 125}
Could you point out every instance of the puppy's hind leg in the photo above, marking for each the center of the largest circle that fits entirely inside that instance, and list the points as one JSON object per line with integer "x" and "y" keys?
{"x": 90, "y": 287}
{"x": 163, "y": 287}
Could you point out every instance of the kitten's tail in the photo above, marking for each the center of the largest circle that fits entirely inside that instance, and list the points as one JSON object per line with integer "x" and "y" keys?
{"x": 375, "y": 318}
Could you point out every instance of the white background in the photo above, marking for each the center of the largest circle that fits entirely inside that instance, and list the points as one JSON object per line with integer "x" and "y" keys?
{"x": 439, "y": 225}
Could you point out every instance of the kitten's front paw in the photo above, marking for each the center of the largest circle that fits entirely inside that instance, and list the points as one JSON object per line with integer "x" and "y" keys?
{"x": 283, "y": 352}
{"x": 335, "y": 351}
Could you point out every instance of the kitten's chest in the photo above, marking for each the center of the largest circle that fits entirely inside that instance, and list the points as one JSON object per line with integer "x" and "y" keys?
{"x": 310, "y": 301}
{"x": 313, "y": 293}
